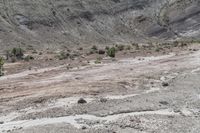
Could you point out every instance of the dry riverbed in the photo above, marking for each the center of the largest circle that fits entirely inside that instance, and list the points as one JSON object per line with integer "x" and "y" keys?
{"x": 152, "y": 94}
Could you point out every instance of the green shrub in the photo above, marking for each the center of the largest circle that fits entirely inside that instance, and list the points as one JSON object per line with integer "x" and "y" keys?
{"x": 111, "y": 52}
{"x": 17, "y": 52}
{"x": 98, "y": 60}
{"x": 157, "y": 49}
{"x": 1, "y": 66}
{"x": 93, "y": 50}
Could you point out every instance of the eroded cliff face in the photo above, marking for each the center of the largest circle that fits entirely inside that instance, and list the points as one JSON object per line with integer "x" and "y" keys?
{"x": 57, "y": 23}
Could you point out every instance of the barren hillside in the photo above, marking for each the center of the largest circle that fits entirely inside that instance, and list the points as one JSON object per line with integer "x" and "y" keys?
{"x": 57, "y": 23}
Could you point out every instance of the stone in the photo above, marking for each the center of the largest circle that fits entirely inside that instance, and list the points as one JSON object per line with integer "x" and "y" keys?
{"x": 103, "y": 100}
{"x": 82, "y": 101}
{"x": 165, "y": 84}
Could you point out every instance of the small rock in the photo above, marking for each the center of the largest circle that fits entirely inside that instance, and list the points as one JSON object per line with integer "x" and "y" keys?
{"x": 111, "y": 113}
{"x": 164, "y": 102}
{"x": 165, "y": 84}
{"x": 195, "y": 49}
{"x": 82, "y": 101}
{"x": 101, "y": 52}
{"x": 82, "y": 56}
{"x": 103, "y": 100}
{"x": 84, "y": 127}
{"x": 1, "y": 122}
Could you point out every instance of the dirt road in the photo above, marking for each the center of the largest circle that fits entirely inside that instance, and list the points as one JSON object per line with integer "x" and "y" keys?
{"x": 143, "y": 95}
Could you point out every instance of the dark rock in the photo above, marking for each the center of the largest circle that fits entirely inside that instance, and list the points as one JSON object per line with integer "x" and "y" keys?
{"x": 82, "y": 101}
{"x": 165, "y": 84}
{"x": 1, "y": 122}
{"x": 101, "y": 52}
{"x": 103, "y": 100}
{"x": 164, "y": 102}
{"x": 84, "y": 127}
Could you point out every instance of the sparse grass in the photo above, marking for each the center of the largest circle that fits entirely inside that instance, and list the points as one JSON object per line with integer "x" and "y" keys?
{"x": 120, "y": 47}
{"x": 63, "y": 55}
{"x": 93, "y": 50}
{"x": 107, "y": 48}
{"x": 157, "y": 49}
{"x": 15, "y": 54}
{"x": 128, "y": 47}
{"x": 34, "y": 52}
{"x": 94, "y": 47}
{"x": 98, "y": 60}
{"x": 136, "y": 45}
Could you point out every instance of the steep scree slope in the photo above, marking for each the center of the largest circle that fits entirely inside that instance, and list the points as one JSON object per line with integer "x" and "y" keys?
{"x": 57, "y": 23}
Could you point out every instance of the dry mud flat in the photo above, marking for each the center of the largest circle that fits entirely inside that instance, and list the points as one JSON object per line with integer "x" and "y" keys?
{"x": 142, "y": 95}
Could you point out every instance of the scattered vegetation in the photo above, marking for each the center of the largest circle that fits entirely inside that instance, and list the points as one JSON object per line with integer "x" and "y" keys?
{"x": 28, "y": 58}
{"x": 111, "y": 52}
{"x": 63, "y": 55}
{"x": 98, "y": 60}
{"x": 157, "y": 49}
{"x": 1, "y": 66}
{"x": 107, "y": 48}
{"x": 120, "y": 47}
{"x": 93, "y": 50}
{"x": 128, "y": 47}
{"x": 15, "y": 54}
{"x": 94, "y": 47}
{"x": 136, "y": 46}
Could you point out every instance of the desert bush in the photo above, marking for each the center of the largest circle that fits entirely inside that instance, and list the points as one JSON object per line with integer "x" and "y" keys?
{"x": 28, "y": 58}
{"x": 128, "y": 47}
{"x": 107, "y": 48}
{"x": 98, "y": 60}
{"x": 17, "y": 52}
{"x": 136, "y": 45}
{"x": 1, "y": 66}
{"x": 120, "y": 47}
{"x": 93, "y": 50}
{"x": 157, "y": 49}
{"x": 111, "y": 52}
{"x": 94, "y": 47}
{"x": 63, "y": 55}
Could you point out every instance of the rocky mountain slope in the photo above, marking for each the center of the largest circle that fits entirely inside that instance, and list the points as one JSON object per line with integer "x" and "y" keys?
{"x": 58, "y": 23}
